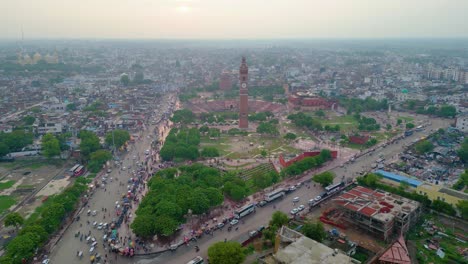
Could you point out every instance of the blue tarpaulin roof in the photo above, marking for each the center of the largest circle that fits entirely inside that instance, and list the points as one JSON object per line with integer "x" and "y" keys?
{"x": 398, "y": 178}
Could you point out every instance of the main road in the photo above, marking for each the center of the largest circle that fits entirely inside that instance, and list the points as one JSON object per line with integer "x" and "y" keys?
{"x": 67, "y": 247}
{"x": 263, "y": 214}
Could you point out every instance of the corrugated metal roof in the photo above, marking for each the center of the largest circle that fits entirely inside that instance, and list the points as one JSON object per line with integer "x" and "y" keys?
{"x": 398, "y": 178}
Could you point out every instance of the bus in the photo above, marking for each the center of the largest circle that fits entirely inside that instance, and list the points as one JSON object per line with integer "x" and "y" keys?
{"x": 72, "y": 170}
{"x": 250, "y": 208}
{"x": 79, "y": 171}
{"x": 274, "y": 195}
{"x": 334, "y": 187}
{"x": 196, "y": 260}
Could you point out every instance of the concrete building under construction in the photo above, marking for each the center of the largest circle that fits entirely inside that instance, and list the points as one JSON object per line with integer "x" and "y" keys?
{"x": 380, "y": 213}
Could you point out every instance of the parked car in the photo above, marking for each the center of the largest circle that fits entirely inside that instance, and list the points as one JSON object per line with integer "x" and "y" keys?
{"x": 262, "y": 203}
{"x": 234, "y": 222}
{"x": 301, "y": 207}
{"x": 295, "y": 199}
{"x": 253, "y": 233}
{"x": 220, "y": 225}
{"x": 294, "y": 211}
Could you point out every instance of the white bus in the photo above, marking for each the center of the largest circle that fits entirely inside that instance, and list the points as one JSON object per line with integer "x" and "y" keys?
{"x": 196, "y": 260}
{"x": 72, "y": 170}
{"x": 250, "y": 208}
{"x": 334, "y": 187}
{"x": 274, "y": 195}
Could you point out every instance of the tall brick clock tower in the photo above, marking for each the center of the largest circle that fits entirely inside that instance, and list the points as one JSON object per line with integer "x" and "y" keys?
{"x": 243, "y": 95}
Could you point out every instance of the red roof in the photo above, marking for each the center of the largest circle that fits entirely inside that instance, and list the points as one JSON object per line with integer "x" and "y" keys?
{"x": 352, "y": 207}
{"x": 346, "y": 196}
{"x": 368, "y": 211}
{"x": 364, "y": 189}
{"x": 397, "y": 253}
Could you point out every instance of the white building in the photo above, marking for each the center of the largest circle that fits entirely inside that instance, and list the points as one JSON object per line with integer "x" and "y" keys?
{"x": 53, "y": 128}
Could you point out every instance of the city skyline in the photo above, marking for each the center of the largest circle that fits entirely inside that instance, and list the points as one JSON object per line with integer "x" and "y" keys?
{"x": 257, "y": 19}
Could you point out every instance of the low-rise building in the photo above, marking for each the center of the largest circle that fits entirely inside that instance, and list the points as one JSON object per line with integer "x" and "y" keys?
{"x": 378, "y": 212}
{"x": 462, "y": 122}
{"x": 294, "y": 248}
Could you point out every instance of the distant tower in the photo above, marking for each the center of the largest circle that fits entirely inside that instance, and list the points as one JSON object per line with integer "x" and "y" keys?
{"x": 243, "y": 95}
{"x": 225, "y": 82}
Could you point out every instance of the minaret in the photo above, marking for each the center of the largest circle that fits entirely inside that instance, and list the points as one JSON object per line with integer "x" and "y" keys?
{"x": 243, "y": 95}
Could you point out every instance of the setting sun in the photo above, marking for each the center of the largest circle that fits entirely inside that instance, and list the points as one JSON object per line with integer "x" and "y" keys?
{"x": 183, "y": 9}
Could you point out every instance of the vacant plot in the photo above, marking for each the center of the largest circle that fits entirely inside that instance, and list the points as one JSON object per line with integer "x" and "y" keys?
{"x": 6, "y": 184}
{"x": 6, "y": 202}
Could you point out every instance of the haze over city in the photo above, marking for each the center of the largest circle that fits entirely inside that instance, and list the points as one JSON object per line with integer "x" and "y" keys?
{"x": 228, "y": 19}
{"x": 233, "y": 131}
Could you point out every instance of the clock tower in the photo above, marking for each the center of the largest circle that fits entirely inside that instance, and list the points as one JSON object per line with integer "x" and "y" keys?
{"x": 243, "y": 95}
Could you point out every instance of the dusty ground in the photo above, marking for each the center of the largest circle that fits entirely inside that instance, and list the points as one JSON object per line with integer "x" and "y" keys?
{"x": 29, "y": 178}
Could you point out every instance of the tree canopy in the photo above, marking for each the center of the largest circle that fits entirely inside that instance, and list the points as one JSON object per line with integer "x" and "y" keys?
{"x": 89, "y": 143}
{"x": 267, "y": 128}
{"x": 463, "y": 151}
{"x": 229, "y": 252}
{"x": 14, "y": 219}
{"x": 278, "y": 219}
{"x": 169, "y": 200}
{"x": 307, "y": 163}
{"x": 423, "y": 146}
{"x": 302, "y": 120}
{"x": 183, "y": 116}
{"x": 98, "y": 159}
{"x": 50, "y": 146}
{"x": 314, "y": 231}
{"x": 324, "y": 178}
{"x": 181, "y": 144}
{"x": 118, "y": 136}
{"x": 14, "y": 141}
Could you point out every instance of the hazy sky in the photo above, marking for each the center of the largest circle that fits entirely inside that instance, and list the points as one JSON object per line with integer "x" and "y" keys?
{"x": 233, "y": 18}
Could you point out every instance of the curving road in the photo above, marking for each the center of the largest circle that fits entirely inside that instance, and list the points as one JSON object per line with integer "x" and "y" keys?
{"x": 263, "y": 214}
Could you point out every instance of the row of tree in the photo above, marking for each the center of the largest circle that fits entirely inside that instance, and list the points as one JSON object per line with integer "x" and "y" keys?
{"x": 307, "y": 164}
{"x": 366, "y": 123}
{"x": 42, "y": 224}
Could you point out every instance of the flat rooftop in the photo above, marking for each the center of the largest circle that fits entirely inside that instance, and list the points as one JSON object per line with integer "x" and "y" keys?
{"x": 376, "y": 204}
{"x": 307, "y": 251}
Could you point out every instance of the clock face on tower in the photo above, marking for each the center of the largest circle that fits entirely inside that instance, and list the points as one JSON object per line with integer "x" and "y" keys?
{"x": 244, "y": 85}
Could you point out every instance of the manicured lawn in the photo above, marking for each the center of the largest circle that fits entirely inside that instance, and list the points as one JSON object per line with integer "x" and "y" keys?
{"x": 6, "y": 185}
{"x": 347, "y": 122}
{"x": 6, "y": 202}
{"x": 406, "y": 118}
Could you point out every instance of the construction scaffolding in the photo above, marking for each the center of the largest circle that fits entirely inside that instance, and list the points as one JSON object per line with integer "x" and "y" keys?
{"x": 380, "y": 213}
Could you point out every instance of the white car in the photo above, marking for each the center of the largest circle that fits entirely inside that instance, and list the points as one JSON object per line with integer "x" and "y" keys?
{"x": 301, "y": 207}
{"x": 295, "y": 199}
{"x": 294, "y": 211}
{"x": 99, "y": 227}
{"x": 234, "y": 222}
